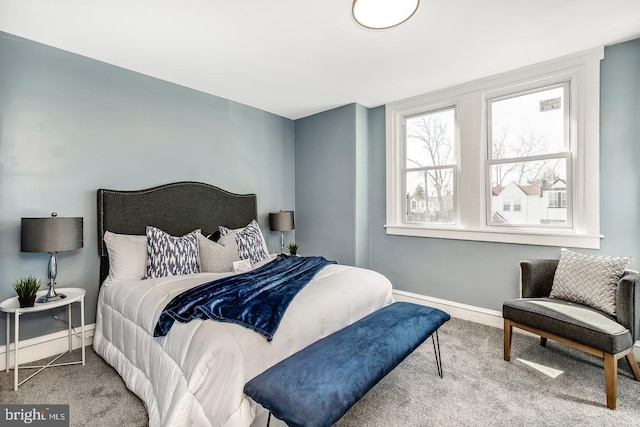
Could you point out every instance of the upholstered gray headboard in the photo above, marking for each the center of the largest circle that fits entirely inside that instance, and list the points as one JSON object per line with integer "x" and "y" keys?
{"x": 177, "y": 208}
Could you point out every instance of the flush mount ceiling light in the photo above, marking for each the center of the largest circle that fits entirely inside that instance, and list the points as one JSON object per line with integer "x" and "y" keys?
{"x": 383, "y": 14}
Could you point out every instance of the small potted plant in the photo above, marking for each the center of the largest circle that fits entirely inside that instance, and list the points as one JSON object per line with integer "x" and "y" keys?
{"x": 293, "y": 248}
{"x": 26, "y": 288}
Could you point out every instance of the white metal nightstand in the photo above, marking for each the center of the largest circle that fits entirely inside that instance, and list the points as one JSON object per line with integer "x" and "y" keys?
{"x": 12, "y": 305}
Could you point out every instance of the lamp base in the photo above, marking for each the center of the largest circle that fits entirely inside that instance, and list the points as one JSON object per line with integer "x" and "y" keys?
{"x": 282, "y": 242}
{"x": 46, "y": 298}
{"x": 52, "y": 295}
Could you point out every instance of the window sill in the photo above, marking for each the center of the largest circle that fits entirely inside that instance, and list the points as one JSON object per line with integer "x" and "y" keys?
{"x": 519, "y": 236}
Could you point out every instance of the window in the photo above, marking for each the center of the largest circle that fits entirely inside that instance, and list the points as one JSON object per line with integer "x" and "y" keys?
{"x": 517, "y": 206}
{"x": 430, "y": 168}
{"x": 557, "y": 199}
{"x": 511, "y": 158}
{"x": 530, "y": 149}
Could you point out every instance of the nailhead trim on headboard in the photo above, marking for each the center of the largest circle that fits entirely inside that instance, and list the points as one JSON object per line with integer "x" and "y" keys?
{"x": 177, "y": 208}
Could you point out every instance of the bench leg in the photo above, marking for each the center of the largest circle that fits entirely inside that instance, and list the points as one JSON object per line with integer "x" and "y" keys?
{"x": 435, "y": 338}
{"x": 269, "y": 419}
{"x": 508, "y": 329}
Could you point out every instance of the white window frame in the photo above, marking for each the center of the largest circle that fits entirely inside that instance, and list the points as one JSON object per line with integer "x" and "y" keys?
{"x": 582, "y": 70}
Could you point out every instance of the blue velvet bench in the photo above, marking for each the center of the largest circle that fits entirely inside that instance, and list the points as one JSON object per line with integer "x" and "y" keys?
{"x": 317, "y": 385}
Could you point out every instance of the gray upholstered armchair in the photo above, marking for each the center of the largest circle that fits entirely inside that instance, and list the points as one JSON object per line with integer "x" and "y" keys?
{"x": 584, "y": 328}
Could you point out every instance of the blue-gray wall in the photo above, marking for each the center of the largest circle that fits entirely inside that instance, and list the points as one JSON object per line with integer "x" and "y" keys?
{"x": 70, "y": 125}
{"x": 620, "y": 150}
{"x": 475, "y": 273}
{"x": 362, "y": 189}
{"x": 333, "y": 185}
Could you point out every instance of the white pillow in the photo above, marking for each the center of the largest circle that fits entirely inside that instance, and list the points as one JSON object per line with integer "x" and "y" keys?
{"x": 127, "y": 256}
{"x": 216, "y": 257}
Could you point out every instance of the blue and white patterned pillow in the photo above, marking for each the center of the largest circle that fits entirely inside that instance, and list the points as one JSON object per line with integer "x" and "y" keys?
{"x": 168, "y": 255}
{"x": 251, "y": 244}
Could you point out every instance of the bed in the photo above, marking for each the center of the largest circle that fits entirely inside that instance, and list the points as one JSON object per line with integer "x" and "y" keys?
{"x": 196, "y": 373}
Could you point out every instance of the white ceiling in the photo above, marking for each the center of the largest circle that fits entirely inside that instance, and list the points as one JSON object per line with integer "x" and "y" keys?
{"x": 299, "y": 57}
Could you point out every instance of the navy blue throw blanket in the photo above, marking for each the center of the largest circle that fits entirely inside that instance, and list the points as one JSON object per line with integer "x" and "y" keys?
{"x": 256, "y": 300}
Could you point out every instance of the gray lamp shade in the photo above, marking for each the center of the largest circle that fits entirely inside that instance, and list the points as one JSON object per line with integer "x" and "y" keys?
{"x": 281, "y": 221}
{"x": 53, "y": 234}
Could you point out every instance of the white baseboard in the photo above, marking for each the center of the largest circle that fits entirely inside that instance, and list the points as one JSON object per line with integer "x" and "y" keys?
{"x": 468, "y": 312}
{"x": 455, "y": 309}
{"x": 45, "y": 346}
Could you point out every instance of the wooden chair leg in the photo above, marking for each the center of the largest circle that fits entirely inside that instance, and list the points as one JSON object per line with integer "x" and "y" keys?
{"x": 611, "y": 379}
{"x": 543, "y": 341}
{"x": 508, "y": 329}
{"x": 631, "y": 358}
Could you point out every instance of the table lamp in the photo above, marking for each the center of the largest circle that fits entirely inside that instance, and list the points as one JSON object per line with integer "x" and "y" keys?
{"x": 281, "y": 221}
{"x": 51, "y": 235}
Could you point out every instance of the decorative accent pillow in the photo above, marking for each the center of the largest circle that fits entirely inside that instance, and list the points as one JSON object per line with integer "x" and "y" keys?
{"x": 589, "y": 279}
{"x": 251, "y": 244}
{"x": 171, "y": 256}
{"x": 127, "y": 256}
{"x": 229, "y": 241}
{"x": 215, "y": 257}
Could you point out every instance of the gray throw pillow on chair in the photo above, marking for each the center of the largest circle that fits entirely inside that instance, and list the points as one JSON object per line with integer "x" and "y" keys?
{"x": 589, "y": 279}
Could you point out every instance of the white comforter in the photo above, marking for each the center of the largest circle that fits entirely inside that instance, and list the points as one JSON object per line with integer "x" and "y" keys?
{"x": 196, "y": 374}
